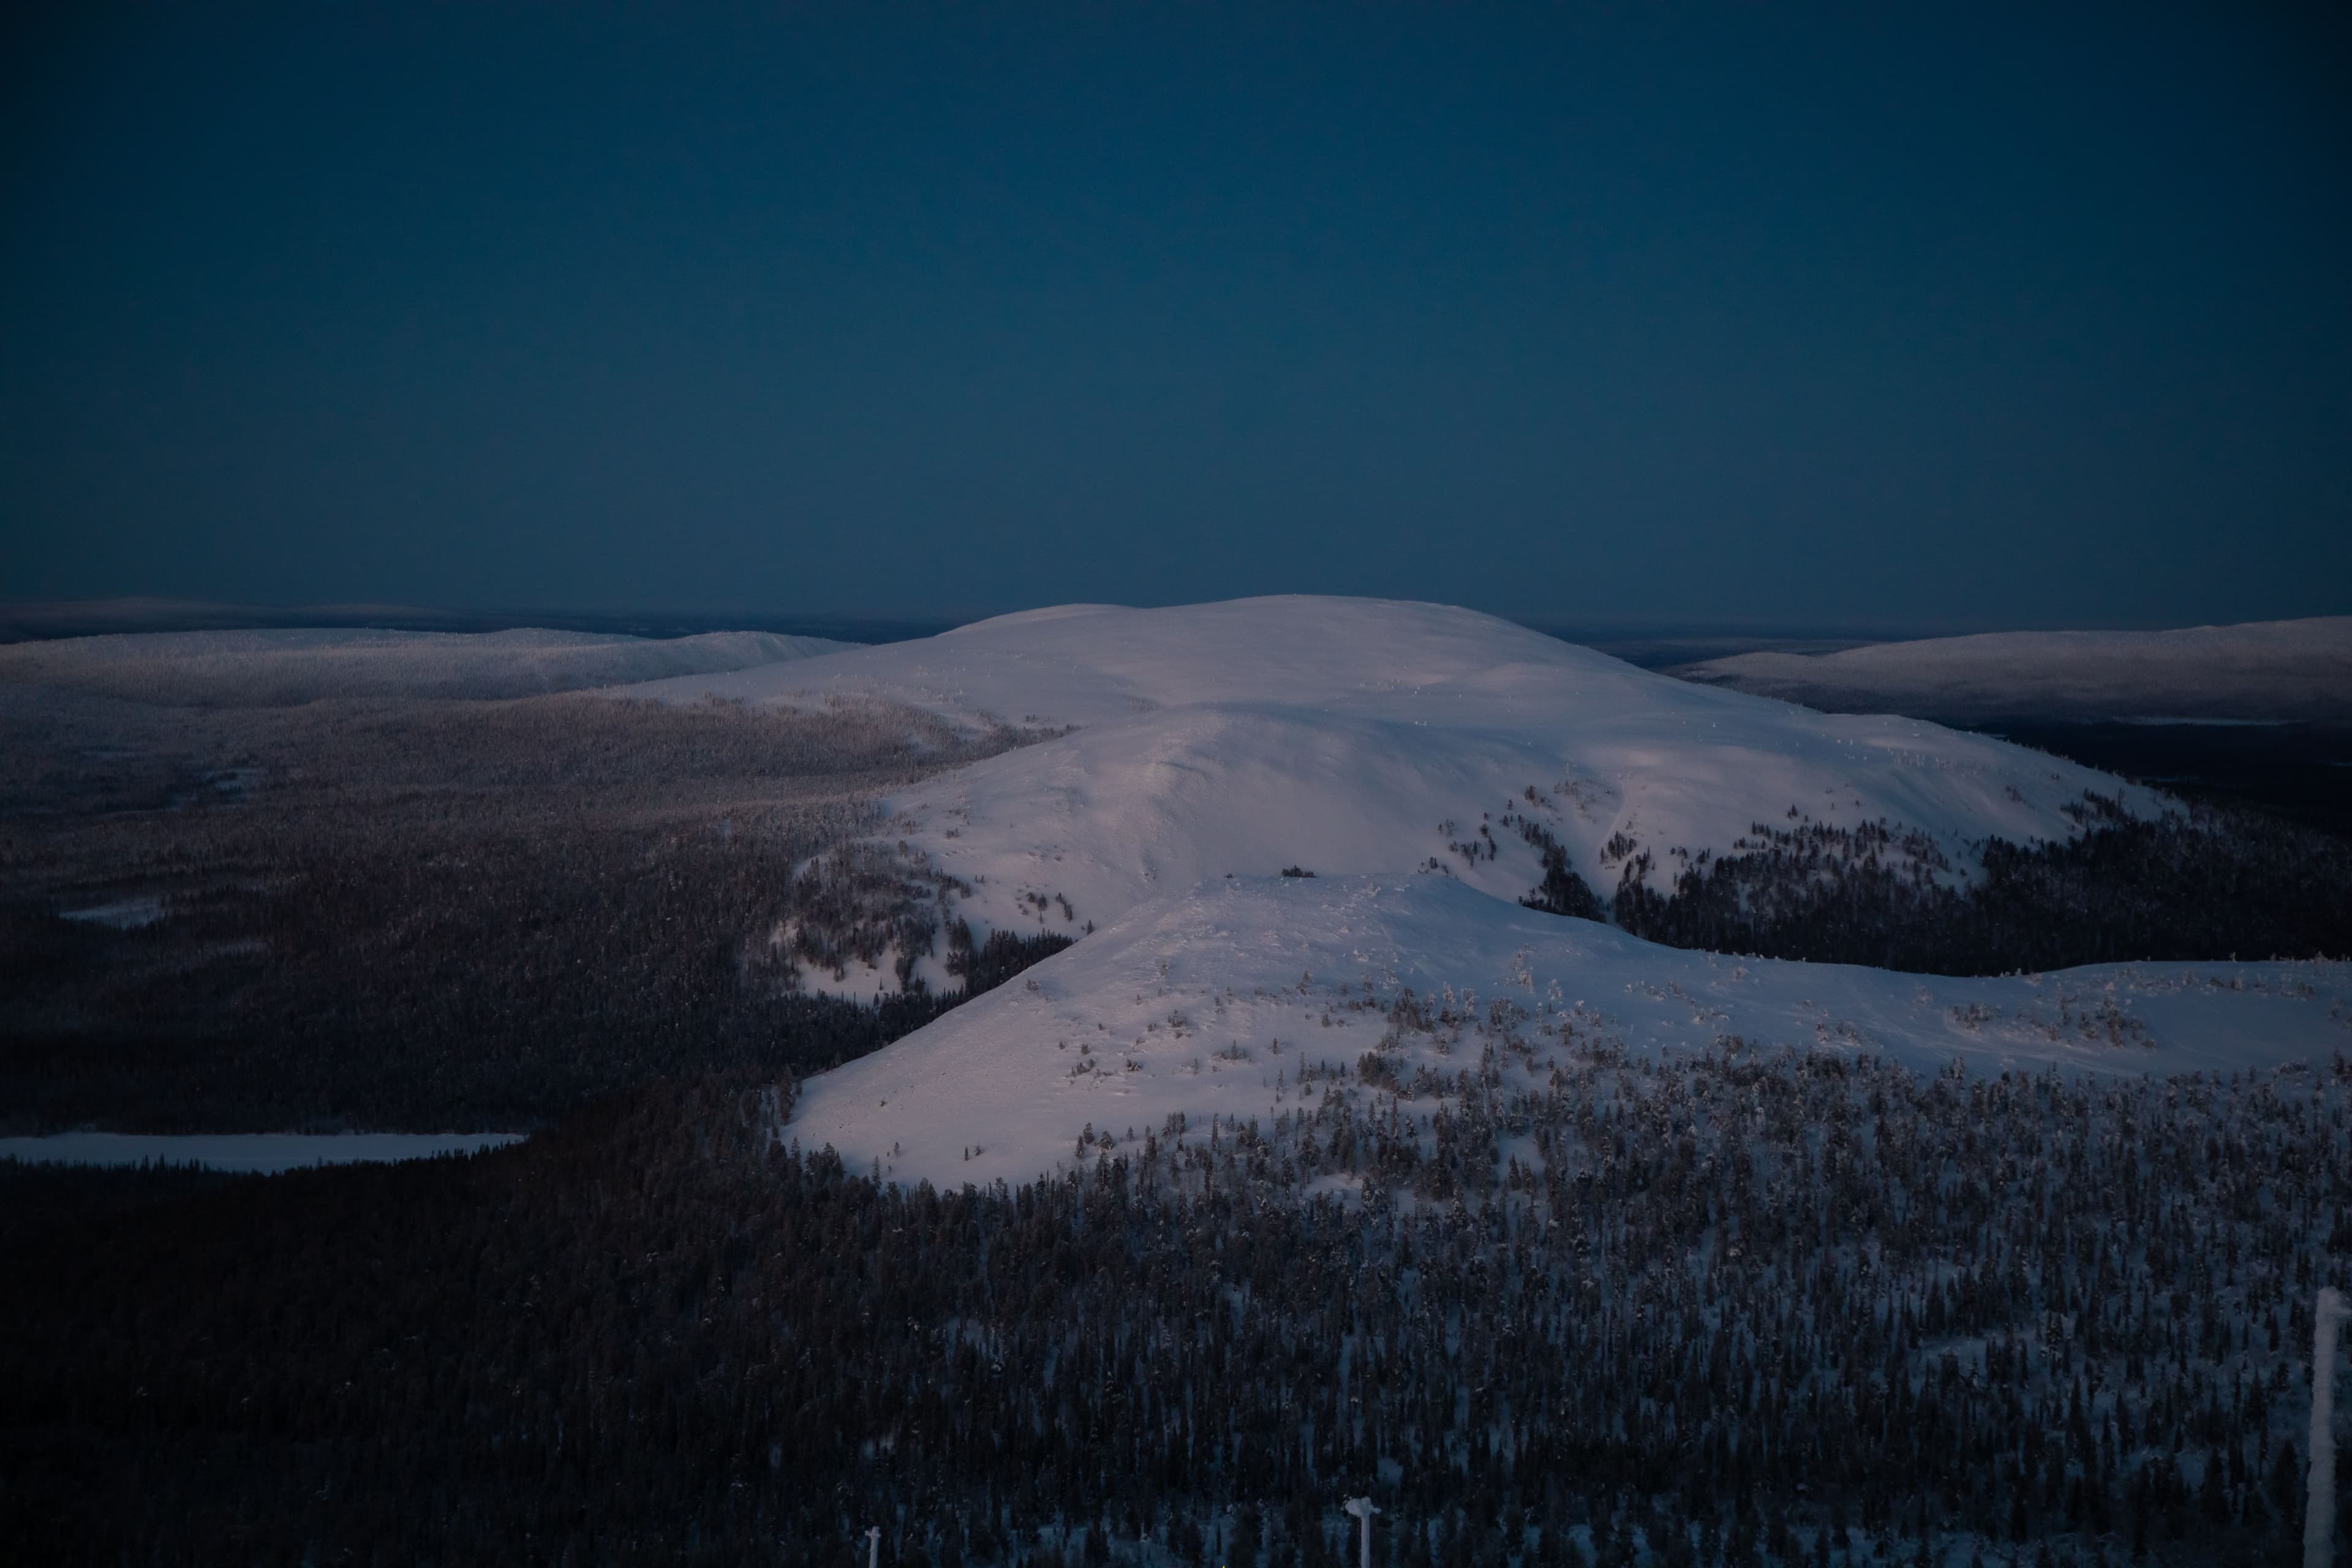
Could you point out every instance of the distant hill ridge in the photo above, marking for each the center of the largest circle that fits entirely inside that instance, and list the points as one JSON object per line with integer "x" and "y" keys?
{"x": 279, "y": 668}
{"x": 2262, "y": 670}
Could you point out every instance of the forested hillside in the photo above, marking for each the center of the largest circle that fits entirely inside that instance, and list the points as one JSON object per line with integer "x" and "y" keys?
{"x": 2202, "y": 882}
{"x": 1756, "y": 1308}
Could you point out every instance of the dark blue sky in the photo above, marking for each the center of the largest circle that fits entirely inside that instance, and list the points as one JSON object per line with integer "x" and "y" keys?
{"x": 1896, "y": 314}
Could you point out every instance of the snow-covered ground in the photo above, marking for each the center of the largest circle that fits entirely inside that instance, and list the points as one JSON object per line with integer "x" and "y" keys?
{"x": 1357, "y": 736}
{"x": 2276, "y": 670}
{"x": 273, "y": 669}
{"x": 1253, "y": 998}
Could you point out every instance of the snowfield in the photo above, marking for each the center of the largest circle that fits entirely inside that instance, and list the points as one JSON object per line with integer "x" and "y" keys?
{"x": 1253, "y": 1000}
{"x": 1366, "y": 736}
{"x": 2273, "y": 670}
{"x": 279, "y": 669}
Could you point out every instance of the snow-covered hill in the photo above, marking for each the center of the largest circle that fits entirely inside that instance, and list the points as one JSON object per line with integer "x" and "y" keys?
{"x": 277, "y": 668}
{"x": 1366, "y": 736}
{"x": 1417, "y": 759}
{"x": 2264, "y": 670}
{"x": 1254, "y": 999}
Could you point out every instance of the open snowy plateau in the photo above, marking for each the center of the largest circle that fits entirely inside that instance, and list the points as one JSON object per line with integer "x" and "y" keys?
{"x": 1402, "y": 752}
{"x": 281, "y": 668}
{"x": 2268, "y": 671}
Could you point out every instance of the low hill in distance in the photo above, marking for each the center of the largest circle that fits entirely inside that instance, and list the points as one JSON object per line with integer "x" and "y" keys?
{"x": 2265, "y": 670}
{"x": 281, "y": 668}
{"x": 50, "y": 620}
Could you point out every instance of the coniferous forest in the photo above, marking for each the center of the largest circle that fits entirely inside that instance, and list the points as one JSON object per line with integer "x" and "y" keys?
{"x": 2205, "y": 882}
{"x": 1759, "y": 1308}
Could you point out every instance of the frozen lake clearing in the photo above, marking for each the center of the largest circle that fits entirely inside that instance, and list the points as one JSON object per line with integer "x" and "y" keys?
{"x": 266, "y": 1153}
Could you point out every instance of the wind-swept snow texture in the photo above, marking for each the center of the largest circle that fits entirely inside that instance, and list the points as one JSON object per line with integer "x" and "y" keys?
{"x": 1254, "y": 999}
{"x": 279, "y": 669}
{"x": 2276, "y": 670}
{"x": 1357, "y": 736}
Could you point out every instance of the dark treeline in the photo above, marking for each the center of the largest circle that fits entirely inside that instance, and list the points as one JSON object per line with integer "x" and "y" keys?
{"x": 987, "y": 964}
{"x": 1741, "y": 1308}
{"x": 2205, "y": 883}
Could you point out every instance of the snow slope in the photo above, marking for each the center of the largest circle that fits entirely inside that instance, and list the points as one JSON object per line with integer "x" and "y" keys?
{"x": 1355, "y": 735}
{"x": 2263, "y": 671}
{"x": 277, "y": 668}
{"x": 1210, "y": 1003}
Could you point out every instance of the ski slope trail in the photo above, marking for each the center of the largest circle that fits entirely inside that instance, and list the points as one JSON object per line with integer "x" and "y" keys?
{"x": 1360, "y": 736}
{"x": 1257, "y": 1000}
